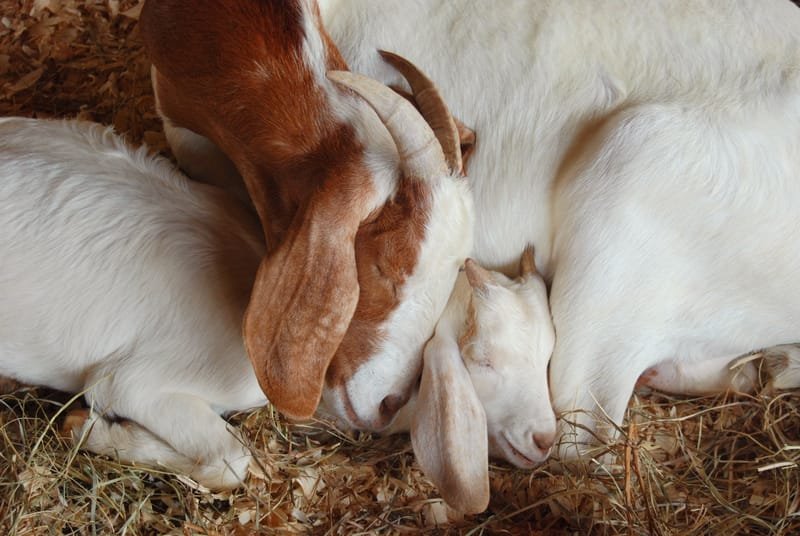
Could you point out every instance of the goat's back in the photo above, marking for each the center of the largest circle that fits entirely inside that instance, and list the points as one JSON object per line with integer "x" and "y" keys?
{"x": 109, "y": 252}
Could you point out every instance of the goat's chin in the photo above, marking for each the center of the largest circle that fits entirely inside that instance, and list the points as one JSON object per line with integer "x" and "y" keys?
{"x": 328, "y": 416}
{"x": 338, "y": 407}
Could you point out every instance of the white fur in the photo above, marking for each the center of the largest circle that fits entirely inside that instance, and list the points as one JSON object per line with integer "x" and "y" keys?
{"x": 393, "y": 368}
{"x": 395, "y": 365}
{"x": 123, "y": 279}
{"x": 649, "y": 149}
{"x": 506, "y": 360}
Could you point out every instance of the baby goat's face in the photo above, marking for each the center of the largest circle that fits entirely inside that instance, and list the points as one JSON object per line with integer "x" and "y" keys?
{"x": 506, "y": 347}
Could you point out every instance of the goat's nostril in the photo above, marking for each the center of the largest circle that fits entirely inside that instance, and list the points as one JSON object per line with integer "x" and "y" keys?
{"x": 544, "y": 440}
{"x": 391, "y": 405}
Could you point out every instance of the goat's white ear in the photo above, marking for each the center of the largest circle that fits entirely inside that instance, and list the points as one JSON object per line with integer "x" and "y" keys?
{"x": 527, "y": 263}
{"x": 478, "y": 276}
{"x": 448, "y": 430}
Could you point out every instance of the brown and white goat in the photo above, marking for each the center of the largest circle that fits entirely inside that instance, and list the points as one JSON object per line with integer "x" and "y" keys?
{"x": 363, "y": 243}
{"x": 652, "y": 160}
{"x": 139, "y": 303}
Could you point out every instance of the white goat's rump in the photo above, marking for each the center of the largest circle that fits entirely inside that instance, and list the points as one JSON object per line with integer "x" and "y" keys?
{"x": 124, "y": 280}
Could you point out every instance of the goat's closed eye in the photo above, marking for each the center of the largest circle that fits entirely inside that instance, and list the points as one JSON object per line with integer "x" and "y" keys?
{"x": 386, "y": 279}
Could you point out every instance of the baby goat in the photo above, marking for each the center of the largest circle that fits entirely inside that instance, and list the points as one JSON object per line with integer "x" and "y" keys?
{"x": 484, "y": 384}
{"x": 125, "y": 280}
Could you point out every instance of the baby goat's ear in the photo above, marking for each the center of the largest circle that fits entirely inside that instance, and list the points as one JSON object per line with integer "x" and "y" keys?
{"x": 478, "y": 276}
{"x": 448, "y": 431}
{"x": 527, "y": 263}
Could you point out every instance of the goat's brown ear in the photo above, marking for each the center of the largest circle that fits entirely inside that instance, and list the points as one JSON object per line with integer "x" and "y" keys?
{"x": 302, "y": 302}
{"x": 448, "y": 429}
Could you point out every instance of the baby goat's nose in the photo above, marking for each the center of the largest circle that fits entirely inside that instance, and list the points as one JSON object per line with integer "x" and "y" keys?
{"x": 544, "y": 440}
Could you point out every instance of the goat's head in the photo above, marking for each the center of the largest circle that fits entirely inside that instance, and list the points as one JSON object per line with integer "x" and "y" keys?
{"x": 365, "y": 218}
{"x": 506, "y": 347}
{"x": 484, "y": 383}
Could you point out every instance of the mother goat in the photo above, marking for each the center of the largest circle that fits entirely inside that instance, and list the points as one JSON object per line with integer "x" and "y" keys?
{"x": 651, "y": 158}
{"x": 650, "y": 150}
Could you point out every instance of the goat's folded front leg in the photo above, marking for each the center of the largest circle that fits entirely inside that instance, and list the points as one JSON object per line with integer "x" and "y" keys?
{"x": 176, "y": 432}
{"x": 783, "y": 365}
{"x": 702, "y": 377}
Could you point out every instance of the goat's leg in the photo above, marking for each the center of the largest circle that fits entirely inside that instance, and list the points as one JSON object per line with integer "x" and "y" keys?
{"x": 602, "y": 343}
{"x": 124, "y": 440}
{"x": 177, "y": 431}
{"x": 721, "y": 374}
{"x": 783, "y": 365}
{"x": 704, "y": 377}
{"x": 591, "y": 389}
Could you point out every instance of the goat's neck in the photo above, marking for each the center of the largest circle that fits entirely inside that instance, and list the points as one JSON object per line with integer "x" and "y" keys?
{"x": 280, "y": 188}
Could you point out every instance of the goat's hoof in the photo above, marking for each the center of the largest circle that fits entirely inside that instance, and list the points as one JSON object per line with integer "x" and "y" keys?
{"x": 645, "y": 380}
{"x": 782, "y": 364}
{"x": 227, "y": 475}
{"x": 73, "y": 424}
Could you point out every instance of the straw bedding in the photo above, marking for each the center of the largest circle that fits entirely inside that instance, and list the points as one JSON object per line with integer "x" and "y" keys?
{"x": 725, "y": 465}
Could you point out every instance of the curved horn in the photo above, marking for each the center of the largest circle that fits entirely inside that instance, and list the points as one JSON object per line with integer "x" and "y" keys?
{"x": 527, "y": 263}
{"x": 432, "y": 106}
{"x": 421, "y": 155}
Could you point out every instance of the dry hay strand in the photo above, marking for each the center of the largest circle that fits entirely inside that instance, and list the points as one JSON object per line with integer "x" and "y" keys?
{"x": 693, "y": 466}
{"x": 687, "y": 466}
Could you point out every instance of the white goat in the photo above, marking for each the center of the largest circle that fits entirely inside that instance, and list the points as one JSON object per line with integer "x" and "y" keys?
{"x": 123, "y": 279}
{"x": 484, "y": 384}
{"x": 651, "y": 157}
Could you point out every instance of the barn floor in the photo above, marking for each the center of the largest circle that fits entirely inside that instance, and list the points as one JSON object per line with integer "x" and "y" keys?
{"x": 683, "y": 466}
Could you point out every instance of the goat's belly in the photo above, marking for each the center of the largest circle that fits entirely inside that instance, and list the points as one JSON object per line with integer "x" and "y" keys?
{"x": 682, "y": 227}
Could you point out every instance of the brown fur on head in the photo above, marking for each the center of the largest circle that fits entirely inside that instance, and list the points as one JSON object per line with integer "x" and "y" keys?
{"x": 388, "y": 249}
{"x": 250, "y": 76}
